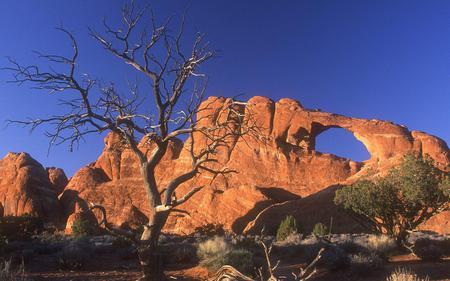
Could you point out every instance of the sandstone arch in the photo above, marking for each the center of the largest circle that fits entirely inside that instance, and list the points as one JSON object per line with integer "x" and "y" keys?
{"x": 287, "y": 160}
{"x": 342, "y": 143}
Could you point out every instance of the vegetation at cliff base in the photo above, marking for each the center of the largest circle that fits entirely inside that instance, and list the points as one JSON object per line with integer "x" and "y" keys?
{"x": 399, "y": 202}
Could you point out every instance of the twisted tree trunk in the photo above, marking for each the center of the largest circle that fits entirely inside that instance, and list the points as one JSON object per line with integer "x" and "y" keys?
{"x": 150, "y": 257}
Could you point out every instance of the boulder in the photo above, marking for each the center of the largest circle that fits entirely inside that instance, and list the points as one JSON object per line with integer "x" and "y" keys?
{"x": 57, "y": 178}
{"x": 25, "y": 188}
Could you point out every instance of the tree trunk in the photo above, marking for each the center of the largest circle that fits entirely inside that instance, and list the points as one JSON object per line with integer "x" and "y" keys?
{"x": 402, "y": 239}
{"x": 150, "y": 256}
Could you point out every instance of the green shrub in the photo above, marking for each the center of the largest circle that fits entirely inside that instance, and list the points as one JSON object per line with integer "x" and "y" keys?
{"x": 82, "y": 227}
{"x": 320, "y": 230}
{"x": 402, "y": 274}
{"x": 287, "y": 227}
{"x": 399, "y": 202}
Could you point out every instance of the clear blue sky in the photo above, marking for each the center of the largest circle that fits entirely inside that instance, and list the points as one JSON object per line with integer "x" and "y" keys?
{"x": 372, "y": 59}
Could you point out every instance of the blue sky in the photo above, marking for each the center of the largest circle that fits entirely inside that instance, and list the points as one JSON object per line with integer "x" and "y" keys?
{"x": 372, "y": 59}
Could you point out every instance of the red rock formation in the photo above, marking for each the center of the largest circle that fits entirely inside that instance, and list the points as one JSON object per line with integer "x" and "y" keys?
{"x": 25, "y": 188}
{"x": 80, "y": 213}
{"x": 283, "y": 160}
{"x": 57, "y": 178}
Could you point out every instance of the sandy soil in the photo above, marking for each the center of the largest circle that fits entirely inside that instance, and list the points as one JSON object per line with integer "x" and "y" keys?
{"x": 109, "y": 269}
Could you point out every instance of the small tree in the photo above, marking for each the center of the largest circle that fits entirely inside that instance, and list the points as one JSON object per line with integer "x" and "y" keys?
{"x": 287, "y": 227}
{"x": 171, "y": 108}
{"x": 320, "y": 230}
{"x": 398, "y": 203}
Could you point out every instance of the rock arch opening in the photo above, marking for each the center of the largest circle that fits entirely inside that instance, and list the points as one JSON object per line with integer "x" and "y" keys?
{"x": 342, "y": 143}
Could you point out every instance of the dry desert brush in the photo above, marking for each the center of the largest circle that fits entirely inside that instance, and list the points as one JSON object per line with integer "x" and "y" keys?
{"x": 228, "y": 272}
{"x": 172, "y": 107}
{"x": 402, "y": 274}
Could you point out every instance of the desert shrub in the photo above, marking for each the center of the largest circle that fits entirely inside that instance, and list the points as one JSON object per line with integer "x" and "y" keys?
{"x": 212, "y": 247}
{"x": 397, "y": 203}
{"x": 8, "y": 273}
{"x": 287, "y": 227}
{"x": 241, "y": 259}
{"x": 402, "y": 274}
{"x": 320, "y": 229}
{"x": 382, "y": 245}
{"x": 82, "y": 227}
{"x": 210, "y": 230}
{"x": 74, "y": 255}
{"x": 20, "y": 227}
{"x": 431, "y": 250}
{"x": 365, "y": 262}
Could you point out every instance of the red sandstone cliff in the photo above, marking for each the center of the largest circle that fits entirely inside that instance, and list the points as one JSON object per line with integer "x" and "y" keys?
{"x": 286, "y": 167}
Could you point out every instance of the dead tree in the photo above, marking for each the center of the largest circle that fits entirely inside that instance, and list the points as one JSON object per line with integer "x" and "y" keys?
{"x": 229, "y": 273}
{"x": 166, "y": 111}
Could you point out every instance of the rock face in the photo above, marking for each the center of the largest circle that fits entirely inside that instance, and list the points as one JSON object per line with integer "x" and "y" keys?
{"x": 284, "y": 174}
{"x": 27, "y": 188}
{"x": 57, "y": 178}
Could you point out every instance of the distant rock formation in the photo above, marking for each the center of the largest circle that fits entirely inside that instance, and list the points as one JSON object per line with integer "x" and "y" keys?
{"x": 285, "y": 174}
{"x": 26, "y": 187}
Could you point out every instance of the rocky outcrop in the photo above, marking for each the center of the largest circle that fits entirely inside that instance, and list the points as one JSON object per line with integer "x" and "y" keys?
{"x": 279, "y": 172}
{"x": 57, "y": 178}
{"x": 27, "y": 188}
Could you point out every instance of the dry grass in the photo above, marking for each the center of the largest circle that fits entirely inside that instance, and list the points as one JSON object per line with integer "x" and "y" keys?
{"x": 212, "y": 247}
{"x": 381, "y": 244}
{"x": 217, "y": 252}
{"x": 8, "y": 273}
{"x": 402, "y": 274}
